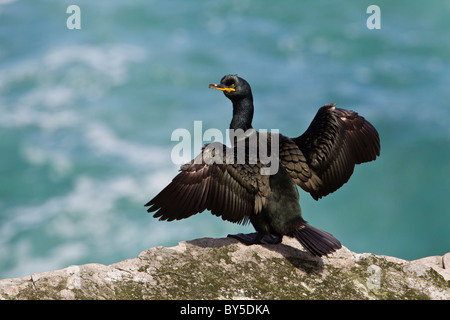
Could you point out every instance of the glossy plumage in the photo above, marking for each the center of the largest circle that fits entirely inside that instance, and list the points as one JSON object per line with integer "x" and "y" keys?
{"x": 320, "y": 161}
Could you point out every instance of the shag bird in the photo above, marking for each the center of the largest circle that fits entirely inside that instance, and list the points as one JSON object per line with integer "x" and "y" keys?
{"x": 237, "y": 189}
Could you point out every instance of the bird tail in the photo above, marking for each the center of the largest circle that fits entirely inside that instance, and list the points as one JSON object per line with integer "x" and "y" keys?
{"x": 315, "y": 241}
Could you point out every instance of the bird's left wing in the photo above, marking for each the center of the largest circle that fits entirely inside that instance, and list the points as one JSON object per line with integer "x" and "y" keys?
{"x": 295, "y": 163}
{"x": 337, "y": 140}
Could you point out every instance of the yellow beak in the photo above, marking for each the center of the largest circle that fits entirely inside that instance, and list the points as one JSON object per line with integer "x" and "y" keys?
{"x": 221, "y": 88}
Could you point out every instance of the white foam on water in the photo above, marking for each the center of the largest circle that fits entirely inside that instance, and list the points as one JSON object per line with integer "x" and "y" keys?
{"x": 103, "y": 141}
{"x": 49, "y": 96}
{"x": 89, "y": 197}
{"x": 62, "y": 76}
{"x": 56, "y": 258}
{"x": 28, "y": 116}
{"x": 110, "y": 61}
{"x": 76, "y": 67}
{"x": 58, "y": 160}
{"x": 86, "y": 219}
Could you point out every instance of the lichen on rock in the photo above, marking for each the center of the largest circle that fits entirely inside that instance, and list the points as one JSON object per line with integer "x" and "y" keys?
{"x": 226, "y": 269}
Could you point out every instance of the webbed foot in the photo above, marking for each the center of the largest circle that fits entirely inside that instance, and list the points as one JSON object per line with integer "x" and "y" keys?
{"x": 257, "y": 238}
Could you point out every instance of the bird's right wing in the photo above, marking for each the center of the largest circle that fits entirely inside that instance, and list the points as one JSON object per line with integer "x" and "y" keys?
{"x": 211, "y": 182}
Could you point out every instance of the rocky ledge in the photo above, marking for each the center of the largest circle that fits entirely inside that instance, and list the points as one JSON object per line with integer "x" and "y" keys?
{"x": 225, "y": 269}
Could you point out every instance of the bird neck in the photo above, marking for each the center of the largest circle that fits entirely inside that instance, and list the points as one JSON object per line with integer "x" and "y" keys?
{"x": 242, "y": 114}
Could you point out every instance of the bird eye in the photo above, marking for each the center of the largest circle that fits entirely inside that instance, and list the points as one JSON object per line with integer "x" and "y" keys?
{"x": 229, "y": 82}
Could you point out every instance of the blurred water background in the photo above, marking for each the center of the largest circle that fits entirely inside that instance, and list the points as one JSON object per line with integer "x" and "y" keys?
{"x": 86, "y": 118}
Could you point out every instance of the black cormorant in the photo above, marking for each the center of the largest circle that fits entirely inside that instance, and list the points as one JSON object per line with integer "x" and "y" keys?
{"x": 320, "y": 161}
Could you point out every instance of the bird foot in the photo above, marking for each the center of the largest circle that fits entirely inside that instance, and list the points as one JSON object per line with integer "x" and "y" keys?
{"x": 256, "y": 238}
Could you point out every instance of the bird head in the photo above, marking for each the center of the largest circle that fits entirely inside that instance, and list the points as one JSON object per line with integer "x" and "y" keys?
{"x": 233, "y": 87}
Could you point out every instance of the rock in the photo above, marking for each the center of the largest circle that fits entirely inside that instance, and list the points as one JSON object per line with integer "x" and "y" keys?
{"x": 446, "y": 261}
{"x": 226, "y": 269}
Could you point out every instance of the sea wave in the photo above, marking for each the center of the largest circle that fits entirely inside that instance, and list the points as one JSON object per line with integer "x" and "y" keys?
{"x": 89, "y": 211}
{"x": 103, "y": 141}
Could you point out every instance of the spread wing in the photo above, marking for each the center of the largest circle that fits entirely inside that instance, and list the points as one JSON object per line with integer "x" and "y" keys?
{"x": 296, "y": 165}
{"x": 214, "y": 181}
{"x": 336, "y": 140}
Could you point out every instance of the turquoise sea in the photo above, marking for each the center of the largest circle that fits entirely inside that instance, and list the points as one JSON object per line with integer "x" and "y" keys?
{"x": 86, "y": 117}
